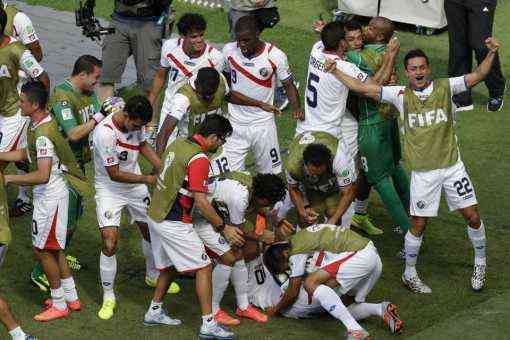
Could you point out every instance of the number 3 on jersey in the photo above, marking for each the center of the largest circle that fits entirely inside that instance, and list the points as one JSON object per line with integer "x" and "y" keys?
{"x": 311, "y": 90}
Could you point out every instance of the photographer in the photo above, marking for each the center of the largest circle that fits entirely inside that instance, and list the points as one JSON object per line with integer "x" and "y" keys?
{"x": 140, "y": 26}
{"x": 264, "y": 10}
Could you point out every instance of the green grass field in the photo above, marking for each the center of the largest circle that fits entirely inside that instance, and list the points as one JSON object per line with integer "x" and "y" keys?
{"x": 452, "y": 311}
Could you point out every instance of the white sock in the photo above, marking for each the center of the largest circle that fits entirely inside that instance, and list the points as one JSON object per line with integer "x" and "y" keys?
{"x": 478, "y": 239}
{"x": 57, "y": 296}
{"x": 347, "y": 217}
{"x": 70, "y": 293}
{"x": 361, "y": 207}
{"x": 331, "y": 302}
{"x": 360, "y": 311}
{"x": 17, "y": 334}
{"x": 220, "y": 279}
{"x": 412, "y": 246}
{"x": 208, "y": 320}
{"x": 155, "y": 307}
{"x": 23, "y": 190}
{"x": 3, "y": 251}
{"x": 107, "y": 271}
{"x": 150, "y": 265}
{"x": 240, "y": 282}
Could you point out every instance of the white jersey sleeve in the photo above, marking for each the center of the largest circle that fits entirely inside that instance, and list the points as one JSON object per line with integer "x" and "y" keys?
{"x": 393, "y": 95}
{"x": 297, "y": 265}
{"x": 167, "y": 45}
{"x": 237, "y": 203}
{"x": 343, "y": 166}
{"x": 24, "y": 29}
{"x": 29, "y": 65}
{"x": 217, "y": 60}
{"x": 179, "y": 106}
{"x": 458, "y": 85}
{"x": 351, "y": 70}
{"x": 105, "y": 143}
{"x": 44, "y": 147}
{"x": 283, "y": 71}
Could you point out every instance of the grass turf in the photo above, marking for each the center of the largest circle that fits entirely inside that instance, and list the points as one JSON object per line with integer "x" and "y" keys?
{"x": 451, "y": 311}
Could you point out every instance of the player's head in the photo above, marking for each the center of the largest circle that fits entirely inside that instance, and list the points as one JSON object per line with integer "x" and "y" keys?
{"x": 137, "y": 113}
{"x": 417, "y": 68}
{"x": 333, "y": 37}
{"x": 247, "y": 33}
{"x": 215, "y": 129}
{"x": 191, "y": 27}
{"x": 276, "y": 257}
{"x": 379, "y": 30}
{"x": 3, "y": 19}
{"x": 207, "y": 82}
{"x": 33, "y": 98}
{"x": 317, "y": 159}
{"x": 354, "y": 35}
{"x": 86, "y": 72}
{"x": 268, "y": 189}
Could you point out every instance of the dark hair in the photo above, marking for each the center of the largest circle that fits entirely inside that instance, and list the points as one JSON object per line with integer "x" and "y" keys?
{"x": 191, "y": 22}
{"x": 139, "y": 107}
{"x": 86, "y": 63}
{"x": 269, "y": 186}
{"x": 215, "y": 125}
{"x": 36, "y": 93}
{"x": 247, "y": 23}
{"x": 332, "y": 34}
{"x": 352, "y": 25}
{"x": 273, "y": 257}
{"x": 385, "y": 26}
{"x": 317, "y": 154}
{"x": 3, "y": 20}
{"x": 416, "y": 53}
{"x": 207, "y": 79}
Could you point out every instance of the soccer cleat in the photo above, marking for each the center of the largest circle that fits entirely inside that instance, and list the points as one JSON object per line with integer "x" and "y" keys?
{"x": 224, "y": 318}
{"x": 159, "y": 318}
{"x": 106, "y": 311}
{"x": 495, "y": 104}
{"x": 51, "y": 313}
{"x": 173, "y": 289}
{"x": 391, "y": 317}
{"x": 214, "y": 331}
{"x": 478, "y": 277}
{"x": 252, "y": 313}
{"x": 20, "y": 207}
{"x": 39, "y": 280}
{"x": 469, "y": 107}
{"x": 415, "y": 285}
{"x": 74, "y": 306}
{"x": 359, "y": 334}
{"x": 74, "y": 263}
{"x": 364, "y": 223}
{"x": 401, "y": 254}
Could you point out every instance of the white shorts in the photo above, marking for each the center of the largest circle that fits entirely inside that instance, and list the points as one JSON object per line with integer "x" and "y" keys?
{"x": 426, "y": 187}
{"x": 179, "y": 244}
{"x": 260, "y": 139}
{"x": 301, "y": 309}
{"x": 213, "y": 241}
{"x": 11, "y": 131}
{"x": 49, "y": 222}
{"x": 349, "y": 133}
{"x": 356, "y": 272}
{"x": 109, "y": 205}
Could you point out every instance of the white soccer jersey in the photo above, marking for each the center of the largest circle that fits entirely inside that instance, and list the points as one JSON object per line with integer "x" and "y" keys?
{"x": 255, "y": 78}
{"x": 114, "y": 147}
{"x": 326, "y": 96}
{"x": 23, "y": 29}
{"x": 232, "y": 195}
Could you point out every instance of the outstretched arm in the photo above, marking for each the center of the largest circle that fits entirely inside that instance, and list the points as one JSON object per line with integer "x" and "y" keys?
{"x": 384, "y": 73}
{"x": 484, "y": 68}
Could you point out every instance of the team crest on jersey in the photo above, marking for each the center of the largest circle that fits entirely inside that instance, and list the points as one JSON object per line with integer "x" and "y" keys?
{"x": 307, "y": 138}
{"x": 204, "y": 256}
{"x": 41, "y": 142}
{"x": 421, "y": 204}
{"x": 264, "y": 72}
{"x": 221, "y": 240}
{"x": 108, "y": 214}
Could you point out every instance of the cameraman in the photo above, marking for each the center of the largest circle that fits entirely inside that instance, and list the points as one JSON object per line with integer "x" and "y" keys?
{"x": 140, "y": 26}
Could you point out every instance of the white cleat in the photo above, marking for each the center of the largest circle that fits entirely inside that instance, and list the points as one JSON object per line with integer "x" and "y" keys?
{"x": 160, "y": 318}
{"x": 415, "y": 285}
{"x": 478, "y": 277}
{"x": 357, "y": 335}
{"x": 215, "y": 331}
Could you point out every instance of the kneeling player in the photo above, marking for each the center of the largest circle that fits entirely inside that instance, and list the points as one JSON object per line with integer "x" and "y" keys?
{"x": 347, "y": 261}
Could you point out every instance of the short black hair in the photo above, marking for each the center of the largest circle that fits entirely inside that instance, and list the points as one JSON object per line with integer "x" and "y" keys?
{"x": 416, "y": 53}
{"x": 270, "y": 187}
{"x": 247, "y": 23}
{"x": 3, "y": 20}
{"x": 191, "y": 22}
{"x": 86, "y": 63}
{"x": 273, "y": 257}
{"x": 317, "y": 154}
{"x": 352, "y": 25}
{"x": 332, "y": 34}
{"x": 139, "y": 107}
{"x": 208, "y": 79}
{"x": 36, "y": 93}
{"x": 215, "y": 124}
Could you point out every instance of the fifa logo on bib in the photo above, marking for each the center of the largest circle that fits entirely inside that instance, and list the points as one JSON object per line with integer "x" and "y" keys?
{"x": 426, "y": 119}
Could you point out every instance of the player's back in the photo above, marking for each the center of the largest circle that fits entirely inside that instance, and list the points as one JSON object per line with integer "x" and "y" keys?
{"x": 10, "y": 56}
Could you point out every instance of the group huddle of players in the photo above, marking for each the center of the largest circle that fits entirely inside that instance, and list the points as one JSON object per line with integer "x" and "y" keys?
{"x": 198, "y": 211}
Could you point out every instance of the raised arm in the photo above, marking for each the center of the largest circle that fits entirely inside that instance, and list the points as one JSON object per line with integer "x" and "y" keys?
{"x": 485, "y": 66}
{"x": 384, "y": 73}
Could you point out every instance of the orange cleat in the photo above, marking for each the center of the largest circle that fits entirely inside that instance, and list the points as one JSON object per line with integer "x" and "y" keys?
{"x": 391, "y": 317}
{"x": 74, "y": 306}
{"x": 252, "y": 313}
{"x": 51, "y": 313}
{"x": 223, "y": 318}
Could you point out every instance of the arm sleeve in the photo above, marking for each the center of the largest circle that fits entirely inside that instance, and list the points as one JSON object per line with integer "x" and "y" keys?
{"x": 198, "y": 173}
{"x": 163, "y": 61}
{"x": 344, "y": 167}
{"x": 44, "y": 147}
{"x": 29, "y": 65}
{"x": 179, "y": 106}
{"x": 237, "y": 203}
{"x": 24, "y": 28}
{"x": 64, "y": 113}
{"x": 393, "y": 95}
{"x": 283, "y": 71}
{"x": 458, "y": 85}
{"x": 105, "y": 144}
{"x": 297, "y": 265}
{"x": 351, "y": 70}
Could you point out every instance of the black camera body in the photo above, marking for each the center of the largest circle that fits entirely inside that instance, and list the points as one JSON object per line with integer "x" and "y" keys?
{"x": 91, "y": 28}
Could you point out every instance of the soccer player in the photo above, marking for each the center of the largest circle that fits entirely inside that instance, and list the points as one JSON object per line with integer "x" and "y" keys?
{"x": 321, "y": 176}
{"x": 182, "y": 186}
{"x": 118, "y": 141}
{"x": 181, "y": 58}
{"x": 378, "y": 138}
{"x": 56, "y": 178}
{"x": 346, "y": 262}
{"x": 206, "y": 93}
{"x": 254, "y": 66}
{"x": 432, "y": 153}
